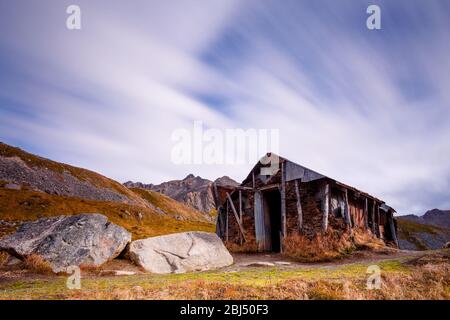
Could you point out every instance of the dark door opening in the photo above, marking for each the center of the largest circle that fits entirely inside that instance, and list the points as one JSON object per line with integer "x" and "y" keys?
{"x": 272, "y": 208}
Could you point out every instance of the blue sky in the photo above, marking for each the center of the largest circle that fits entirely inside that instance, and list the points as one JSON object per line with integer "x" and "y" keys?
{"x": 369, "y": 108}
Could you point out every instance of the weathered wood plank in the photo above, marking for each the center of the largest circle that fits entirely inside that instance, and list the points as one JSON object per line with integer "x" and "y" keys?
{"x": 253, "y": 179}
{"x": 325, "y": 206}
{"x": 377, "y": 213}
{"x": 299, "y": 206}
{"x": 348, "y": 219}
{"x": 226, "y": 222}
{"x": 374, "y": 224}
{"x": 259, "y": 221}
{"x": 240, "y": 214}
{"x": 236, "y": 216}
{"x": 283, "y": 200}
{"x": 366, "y": 214}
{"x": 392, "y": 227}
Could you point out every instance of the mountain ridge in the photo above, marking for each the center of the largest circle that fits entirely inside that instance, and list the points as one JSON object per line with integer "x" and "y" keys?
{"x": 194, "y": 191}
{"x": 436, "y": 217}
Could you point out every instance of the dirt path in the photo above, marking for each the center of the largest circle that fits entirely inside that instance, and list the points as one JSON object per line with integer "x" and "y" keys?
{"x": 243, "y": 262}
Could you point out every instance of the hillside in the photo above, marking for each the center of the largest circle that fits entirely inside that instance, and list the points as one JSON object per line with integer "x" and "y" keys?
{"x": 40, "y": 174}
{"x": 32, "y": 187}
{"x": 414, "y": 235}
{"x": 193, "y": 191}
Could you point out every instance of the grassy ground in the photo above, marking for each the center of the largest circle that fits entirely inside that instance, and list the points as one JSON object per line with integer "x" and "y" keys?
{"x": 407, "y": 277}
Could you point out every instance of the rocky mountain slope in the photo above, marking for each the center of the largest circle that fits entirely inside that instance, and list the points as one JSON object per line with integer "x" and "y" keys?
{"x": 32, "y": 187}
{"x": 429, "y": 231}
{"x": 435, "y": 217}
{"x": 195, "y": 192}
{"x": 23, "y": 169}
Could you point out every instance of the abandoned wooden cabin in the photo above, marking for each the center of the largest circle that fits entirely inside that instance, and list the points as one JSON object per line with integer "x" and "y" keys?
{"x": 266, "y": 208}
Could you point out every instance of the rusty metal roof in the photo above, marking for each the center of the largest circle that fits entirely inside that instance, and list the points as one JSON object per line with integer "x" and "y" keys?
{"x": 295, "y": 171}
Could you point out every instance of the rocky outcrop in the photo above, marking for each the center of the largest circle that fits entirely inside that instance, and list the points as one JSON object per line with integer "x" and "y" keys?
{"x": 180, "y": 253}
{"x": 85, "y": 239}
{"x": 193, "y": 191}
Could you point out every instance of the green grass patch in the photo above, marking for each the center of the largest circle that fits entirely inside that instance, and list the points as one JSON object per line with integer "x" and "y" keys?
{"x": 255, "y": 277}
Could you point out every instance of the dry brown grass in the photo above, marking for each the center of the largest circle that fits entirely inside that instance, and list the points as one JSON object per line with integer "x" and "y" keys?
{"x": 425, "y": 282}
{"x": 249, "y": 246}
{"x": 335, "y": 244}
{"x": 37, "y": 264}
{"x": 323, "y": 247}
{"x": 90, "y": 269}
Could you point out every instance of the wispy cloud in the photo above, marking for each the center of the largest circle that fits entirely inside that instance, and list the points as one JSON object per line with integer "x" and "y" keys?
{"x": 370, "y": 108}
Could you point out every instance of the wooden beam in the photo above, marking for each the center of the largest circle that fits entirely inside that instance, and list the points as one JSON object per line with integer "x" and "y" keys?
{"x": 259, "y": 221}
{"x": 283, "y": 200}
{"x": 226, "y": 222}
{"x": 299, "y": 206}
{"x": 243, "y": 188}
{"x": 240, "y": 214}
{"x": 366, "y": 214}
{"x": 392, "y": 226}
{"x": 348, "y": 219}
{"x": 236, "y": 216}
{"x": 253, "y": 179}
{"x": 325, "y": 206}
{"x": 378, "y": 222}
{"x": 272, "y": 186}
{"x": 373, "y": 218}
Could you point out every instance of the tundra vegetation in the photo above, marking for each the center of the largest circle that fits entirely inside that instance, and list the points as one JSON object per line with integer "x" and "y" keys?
{"x": 423, "y": 276}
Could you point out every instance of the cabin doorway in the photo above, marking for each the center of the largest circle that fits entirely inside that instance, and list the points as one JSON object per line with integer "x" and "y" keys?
{"x": 272, "y": 219}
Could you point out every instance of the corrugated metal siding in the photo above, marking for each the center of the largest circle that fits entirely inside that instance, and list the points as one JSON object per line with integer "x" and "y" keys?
{"x": 260, "y": 231}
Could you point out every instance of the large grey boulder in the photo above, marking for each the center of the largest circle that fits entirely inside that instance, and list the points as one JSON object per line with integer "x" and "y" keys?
{"x": 85, "y": 239}
{"x": 180, "y": 252}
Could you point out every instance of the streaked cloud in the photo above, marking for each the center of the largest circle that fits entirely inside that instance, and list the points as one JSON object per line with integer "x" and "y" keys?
{"x": 370, "y": 108}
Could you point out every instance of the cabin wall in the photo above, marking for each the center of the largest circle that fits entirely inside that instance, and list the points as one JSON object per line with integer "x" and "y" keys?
{"x": 311, "y": 194}
{"x": 356, "y": 206}
{"x": 310, "y": 198}
{"x": 248, "y": 220}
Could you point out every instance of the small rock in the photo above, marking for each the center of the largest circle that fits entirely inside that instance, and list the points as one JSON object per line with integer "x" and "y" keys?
{"x": 124, "y": 273}
{"x": 117, "y": 273}
{"x": 282, "y": 263}
{"x": 260, "y": 264}
{"x": 12, "y": 186}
